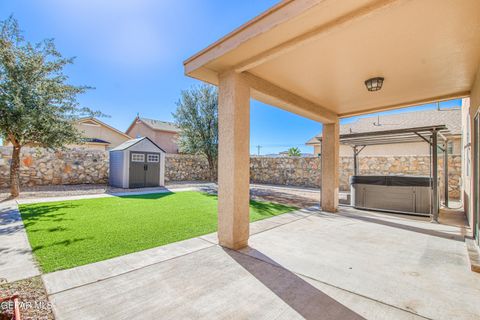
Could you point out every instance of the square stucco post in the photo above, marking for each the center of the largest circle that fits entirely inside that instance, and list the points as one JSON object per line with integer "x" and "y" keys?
{"x": 233, "y": 160}
{"x": 330, "y": 159}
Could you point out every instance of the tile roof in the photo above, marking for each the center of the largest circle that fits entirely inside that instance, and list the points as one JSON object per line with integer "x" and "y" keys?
{"x": 160, "y": 125}
{"x": 452, "y": 118}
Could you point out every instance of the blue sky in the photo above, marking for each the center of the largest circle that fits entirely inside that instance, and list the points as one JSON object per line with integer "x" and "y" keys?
{"x": 132, "y": 52}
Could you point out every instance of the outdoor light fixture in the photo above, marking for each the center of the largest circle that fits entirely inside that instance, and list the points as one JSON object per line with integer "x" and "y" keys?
{"x": 374, "y": 84}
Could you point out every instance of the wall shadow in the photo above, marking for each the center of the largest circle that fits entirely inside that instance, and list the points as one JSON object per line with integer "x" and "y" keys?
{"x": 301, "y": 296}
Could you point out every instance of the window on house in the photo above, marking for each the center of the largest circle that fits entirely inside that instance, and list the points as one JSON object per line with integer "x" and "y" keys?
{"x": 450, "y": 147}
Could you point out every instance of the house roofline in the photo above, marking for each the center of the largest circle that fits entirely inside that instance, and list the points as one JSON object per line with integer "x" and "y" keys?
{"x": 137, "y": 118}
{"x": 104, "y": 124}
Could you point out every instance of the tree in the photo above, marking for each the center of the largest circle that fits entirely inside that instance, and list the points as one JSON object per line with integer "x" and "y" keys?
{"x": 197, "y": 118}
{"x": 37, "y": 106}
{"x": 294, "y": 152}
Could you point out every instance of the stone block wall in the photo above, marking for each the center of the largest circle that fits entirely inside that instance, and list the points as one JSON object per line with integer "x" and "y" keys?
{"x": 403, "y": 165}
{"x": 43, "y": 167}
{"x": 306, "y": 172}
{"x": 294, "y": 171}
{"x": 185, "y": 167}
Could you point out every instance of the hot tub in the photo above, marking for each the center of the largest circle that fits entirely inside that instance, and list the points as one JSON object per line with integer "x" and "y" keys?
{"x": 403, "y": 194}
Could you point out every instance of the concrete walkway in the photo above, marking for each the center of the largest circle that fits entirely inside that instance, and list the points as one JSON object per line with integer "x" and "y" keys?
{"x": 303, "y": 265}
{"x": 16, "y": 260}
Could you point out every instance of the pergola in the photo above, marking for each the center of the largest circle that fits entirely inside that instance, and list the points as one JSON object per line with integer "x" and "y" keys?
{"x": 311, "y": 57}
{"x": 428, "y": 134}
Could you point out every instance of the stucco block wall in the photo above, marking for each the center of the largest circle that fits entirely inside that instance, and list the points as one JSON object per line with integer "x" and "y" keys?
{"x": 470, "y": 108}
{"x": 164, "y": 139}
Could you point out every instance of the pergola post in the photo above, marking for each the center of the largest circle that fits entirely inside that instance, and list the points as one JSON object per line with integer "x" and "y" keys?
{"x": 233, "y": 160}
{"x": 355, "y": 169}
{"x": 434, "y": 175}
{"x": 330, "y": 159}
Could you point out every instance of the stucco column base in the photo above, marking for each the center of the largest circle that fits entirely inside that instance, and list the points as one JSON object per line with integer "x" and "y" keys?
{"x": 330, "y": 162}
{"x": 233, "y": 161}
{"x": 233, "y": 246}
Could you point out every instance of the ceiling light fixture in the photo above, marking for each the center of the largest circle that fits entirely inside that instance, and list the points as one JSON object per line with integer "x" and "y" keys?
{"x": 374, "y": 84}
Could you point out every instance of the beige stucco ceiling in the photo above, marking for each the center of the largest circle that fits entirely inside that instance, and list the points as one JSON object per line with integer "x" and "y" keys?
{"x": 323, "y": 51}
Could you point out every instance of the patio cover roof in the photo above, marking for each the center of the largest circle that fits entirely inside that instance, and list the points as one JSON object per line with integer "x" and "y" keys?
{"x": 418, "y": 134}
{"x": 311, "y": 57}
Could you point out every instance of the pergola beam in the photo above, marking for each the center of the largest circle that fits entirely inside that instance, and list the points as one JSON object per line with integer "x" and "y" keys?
{"x": 290, "y": 101}
{"x": 312, "y": 35}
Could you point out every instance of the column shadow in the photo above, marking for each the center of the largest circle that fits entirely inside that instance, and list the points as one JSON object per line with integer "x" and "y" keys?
{"x": 308, "y": 301}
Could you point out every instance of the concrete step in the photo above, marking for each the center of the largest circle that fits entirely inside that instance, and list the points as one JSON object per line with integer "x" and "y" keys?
{"x": 473, "y": 254}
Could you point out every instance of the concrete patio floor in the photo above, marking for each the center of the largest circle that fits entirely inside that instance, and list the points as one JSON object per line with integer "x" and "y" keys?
{"x": 307, "y": 264}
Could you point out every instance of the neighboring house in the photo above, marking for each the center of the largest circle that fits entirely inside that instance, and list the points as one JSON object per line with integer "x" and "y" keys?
{"x": 97, "y": 135}
{"x": 451, "y": 117}
{"x": 164, "y": 134}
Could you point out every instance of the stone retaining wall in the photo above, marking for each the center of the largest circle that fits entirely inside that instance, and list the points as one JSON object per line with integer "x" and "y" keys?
{"x": 184, "y": 167}
{"x": 306, "y": 171}
{"x": 404, "y": 165}
{"x": 41, "y": 167}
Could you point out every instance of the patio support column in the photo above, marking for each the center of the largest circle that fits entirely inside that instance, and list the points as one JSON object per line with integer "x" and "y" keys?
{"x": 330, "y": 159}
{"x": 233, "y": 160}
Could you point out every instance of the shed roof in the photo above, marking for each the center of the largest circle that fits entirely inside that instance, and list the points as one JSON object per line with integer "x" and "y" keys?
{"x": 130, "y": 143}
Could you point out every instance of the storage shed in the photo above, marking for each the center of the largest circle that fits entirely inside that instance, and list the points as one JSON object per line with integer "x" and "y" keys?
{"x": 137, "y": 163}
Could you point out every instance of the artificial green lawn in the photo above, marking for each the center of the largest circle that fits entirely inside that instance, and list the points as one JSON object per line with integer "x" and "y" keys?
{"x": 72, "y": 233}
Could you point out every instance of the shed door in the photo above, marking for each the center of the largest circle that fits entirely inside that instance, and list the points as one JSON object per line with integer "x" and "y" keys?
{"x": 137, "y": 169}
{"x": 152, "y": 178}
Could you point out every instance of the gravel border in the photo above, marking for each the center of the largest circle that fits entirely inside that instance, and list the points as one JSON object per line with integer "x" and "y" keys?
{"x": 33, "y": 299}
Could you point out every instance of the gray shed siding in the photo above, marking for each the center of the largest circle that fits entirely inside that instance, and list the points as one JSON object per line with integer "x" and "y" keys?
{"x": 116, "y": 174}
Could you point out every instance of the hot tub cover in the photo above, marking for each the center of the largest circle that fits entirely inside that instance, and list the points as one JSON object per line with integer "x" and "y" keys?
{"x": 399, "y": 181}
